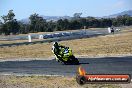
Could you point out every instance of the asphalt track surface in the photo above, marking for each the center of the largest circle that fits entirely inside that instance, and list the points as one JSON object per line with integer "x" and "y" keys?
{"x": 104, "y": 65}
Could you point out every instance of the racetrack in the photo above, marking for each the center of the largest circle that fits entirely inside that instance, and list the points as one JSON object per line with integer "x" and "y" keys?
{"x": 74, "y": 35}
{"x": 103, "y": 65}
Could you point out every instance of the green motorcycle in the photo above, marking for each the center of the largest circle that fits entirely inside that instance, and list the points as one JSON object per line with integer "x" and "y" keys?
{"x": 66, "y": 56}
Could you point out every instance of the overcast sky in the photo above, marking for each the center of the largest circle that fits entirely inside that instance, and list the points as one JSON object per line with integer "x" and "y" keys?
{"x": 97, "y": 8}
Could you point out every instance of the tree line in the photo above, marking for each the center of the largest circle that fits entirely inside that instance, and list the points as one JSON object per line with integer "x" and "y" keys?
{"x": 10, "y": 25}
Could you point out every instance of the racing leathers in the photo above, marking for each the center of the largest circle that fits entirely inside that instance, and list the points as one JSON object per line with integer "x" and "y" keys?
{"x": 58, "y": 51}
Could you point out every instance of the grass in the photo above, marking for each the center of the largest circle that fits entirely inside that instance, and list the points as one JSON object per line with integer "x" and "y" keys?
{"x": 47, "y": 82}
{"x": 102, "y": 45}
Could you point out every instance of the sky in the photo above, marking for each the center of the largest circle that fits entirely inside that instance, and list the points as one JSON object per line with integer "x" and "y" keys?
{"x": 97, "y": 8}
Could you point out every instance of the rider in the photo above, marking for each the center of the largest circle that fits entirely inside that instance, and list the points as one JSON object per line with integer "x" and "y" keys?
{"x": 57, "y": 49}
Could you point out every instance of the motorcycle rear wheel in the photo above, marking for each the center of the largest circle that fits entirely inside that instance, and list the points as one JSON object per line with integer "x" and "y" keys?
{"x": 72, "y": 60}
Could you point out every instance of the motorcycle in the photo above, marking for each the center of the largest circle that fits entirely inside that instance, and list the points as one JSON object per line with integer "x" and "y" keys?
{"x": 65, "y": 56}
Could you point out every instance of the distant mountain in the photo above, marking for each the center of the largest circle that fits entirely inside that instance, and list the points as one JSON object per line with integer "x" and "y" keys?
{"x": 56, "y": 18}
{"x": 48, "y": 18}
{"x": 25, "y": 21}
{"x": 129, "y": 12}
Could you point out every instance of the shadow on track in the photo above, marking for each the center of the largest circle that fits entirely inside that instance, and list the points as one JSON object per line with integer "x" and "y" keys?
{"x": 83, "y": 63}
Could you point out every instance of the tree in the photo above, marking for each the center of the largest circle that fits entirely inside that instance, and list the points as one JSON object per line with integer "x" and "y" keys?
{"x": 33, "y": 22}
{"x": 114, "y": 22}
{"x": 24, "y": 28}
{"x": 106, "y": 22}
{"x": 128, "y": 21}
{"x": 83, "y": 22}
{"x": 59, "y": 25}
{"x": 0, "y": 27}
{"x": 65, "y": 24}
{"x": 74, "y": 24}
{"x": 51, "y": 26}
{"x": 77, "y": 15}
{"x": 9, "y": 25}
{"x": 37, "y": 23}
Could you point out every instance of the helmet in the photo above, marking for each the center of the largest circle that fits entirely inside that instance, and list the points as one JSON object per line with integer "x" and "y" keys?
{"x": 55, "y": 44}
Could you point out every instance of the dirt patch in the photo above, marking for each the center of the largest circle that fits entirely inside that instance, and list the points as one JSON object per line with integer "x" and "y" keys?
{"x": 50, "y": 82}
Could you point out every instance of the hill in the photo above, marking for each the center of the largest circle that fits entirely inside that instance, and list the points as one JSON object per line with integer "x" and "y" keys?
{"x": 129, "y": 12}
